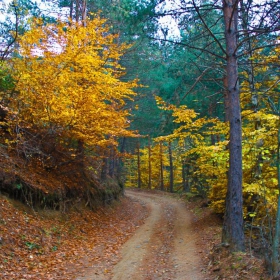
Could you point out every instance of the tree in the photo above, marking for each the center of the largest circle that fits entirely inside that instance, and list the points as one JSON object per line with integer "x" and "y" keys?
{"x": 171, "y": 169}
{"x": 233, "y": 222}
{"x": 230, "y": 49}
{"x": 267, "y": 91}
{"x": 69, "y": 83}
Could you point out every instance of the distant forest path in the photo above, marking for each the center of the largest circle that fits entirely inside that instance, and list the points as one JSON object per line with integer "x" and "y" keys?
{"x": 164, "y": 247}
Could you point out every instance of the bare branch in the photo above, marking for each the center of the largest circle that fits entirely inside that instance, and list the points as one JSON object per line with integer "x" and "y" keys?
{"x": 6, "y": 52}
{"x": 189, "y": 46}
{"x": 196, "y": 81}
{"x": 209, "y": 30}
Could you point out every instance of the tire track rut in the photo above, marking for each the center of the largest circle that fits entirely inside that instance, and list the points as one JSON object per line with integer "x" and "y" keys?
{"x": 164, "y": 247}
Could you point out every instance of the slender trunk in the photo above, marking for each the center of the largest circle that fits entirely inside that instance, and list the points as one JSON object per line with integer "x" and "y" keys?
{"x": 71, "y": 9}
{"x": 171, "y": 174}
{"x": 184, "y": 175}
{"x": 138, "y": 165}
{"x": 81, "y": 152}
{"x": 77, "y": 11}
{"x": 161, "y": 167}
{"x": 150, "y": 166}
{"x": 233, "y": 221}
{"x": 185, "y": 172}
{"x": 112, "y": 162}
{"x": 104, "y": 168}
{"x": 84, "y": 12}
{"x": 119, "y": 163}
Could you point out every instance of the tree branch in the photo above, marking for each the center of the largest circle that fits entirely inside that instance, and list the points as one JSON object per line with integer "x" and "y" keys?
{"x": 6, "y": 51}
{"x": 209, "y": 30}
{"x": 196, "y": 81}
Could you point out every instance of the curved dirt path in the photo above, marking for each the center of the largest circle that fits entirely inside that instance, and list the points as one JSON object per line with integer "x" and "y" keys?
{"x": 164, "y": 247}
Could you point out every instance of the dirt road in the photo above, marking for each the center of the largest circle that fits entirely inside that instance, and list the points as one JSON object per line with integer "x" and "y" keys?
{"x": 163, "y": 248}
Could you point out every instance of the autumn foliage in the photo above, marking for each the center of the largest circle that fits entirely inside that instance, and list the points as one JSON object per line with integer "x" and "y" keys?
{"x": 65, "y": 112}
{"x": 68, "y": 81}
{"x": 201, "y": 154}
{"x": 49, "y": 244}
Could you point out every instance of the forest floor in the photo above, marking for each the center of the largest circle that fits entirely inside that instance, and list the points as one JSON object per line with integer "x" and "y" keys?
{"x": 145, "y": 236}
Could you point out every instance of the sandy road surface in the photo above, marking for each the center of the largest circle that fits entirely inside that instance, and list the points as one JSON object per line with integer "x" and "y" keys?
{"x": 163, "y": 247}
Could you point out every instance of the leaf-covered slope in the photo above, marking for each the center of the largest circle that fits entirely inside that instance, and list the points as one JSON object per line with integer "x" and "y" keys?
{"x": 51, "y": 245}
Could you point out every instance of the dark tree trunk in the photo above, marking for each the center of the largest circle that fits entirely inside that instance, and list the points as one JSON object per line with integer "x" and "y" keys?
{"x": 3, "y": 113}
{"x": 84, "y": 12}
{"x": 186, "y": 184}
{"x": 138, "y": 165}
{"x": 150, "y": 166}
{"x": 161, "y": 167}
{"x": 77, "y": 11}
{"x": 184, "y": 175}
{"x": 233, "y": 221}
{"x": 81, "y": 153}
{"x": 171, "y": 175}
{"x": 119, "y": 162}
{"x": 104, "y": 168}
{"x": 71, "y": 9}
{"x": 112, "y": 162}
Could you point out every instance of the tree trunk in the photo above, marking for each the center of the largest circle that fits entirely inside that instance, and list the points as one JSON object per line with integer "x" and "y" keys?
{"x": 71, "y": 9}
{"x": 150, "y": 166}
{"x": 185, "y": 173}
{"x": 112, "y": 162}
{"x": 171, "y": 174}
{"x": 233, "y": 221}
{"x": 119, "y": 162}
{"x": 226, "y": 98}
{"x": 84, "y": 12}
{"x": 104, "y": 168}
{"x": 138, "y": 165}
{"x": 77, "y": 11}
{"x": 184, "y": 182}
{"x": 161, "y": 167}
{"x": 81, "y": 153}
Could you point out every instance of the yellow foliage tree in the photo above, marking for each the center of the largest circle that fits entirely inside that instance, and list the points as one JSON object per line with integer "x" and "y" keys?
{"x": 193, "y": 136}
{"x": 68, "y": 81}
{"x": 210, "y": 161}
{"x": 260, "y": 131}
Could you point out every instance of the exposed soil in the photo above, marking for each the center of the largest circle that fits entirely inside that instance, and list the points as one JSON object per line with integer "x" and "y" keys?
{"x": 164, "y": 247}
{"x": 178, "y": 241}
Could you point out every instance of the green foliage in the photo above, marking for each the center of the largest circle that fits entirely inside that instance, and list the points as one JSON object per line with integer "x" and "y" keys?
{"x": 31, "y": 245}
{"x": 14, "y": 23}
{"x": 203, "y": 142}
{"x": 6, "y": 81}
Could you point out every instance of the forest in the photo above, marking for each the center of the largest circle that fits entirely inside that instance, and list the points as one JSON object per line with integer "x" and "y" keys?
{"x": 180, "y": 96}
